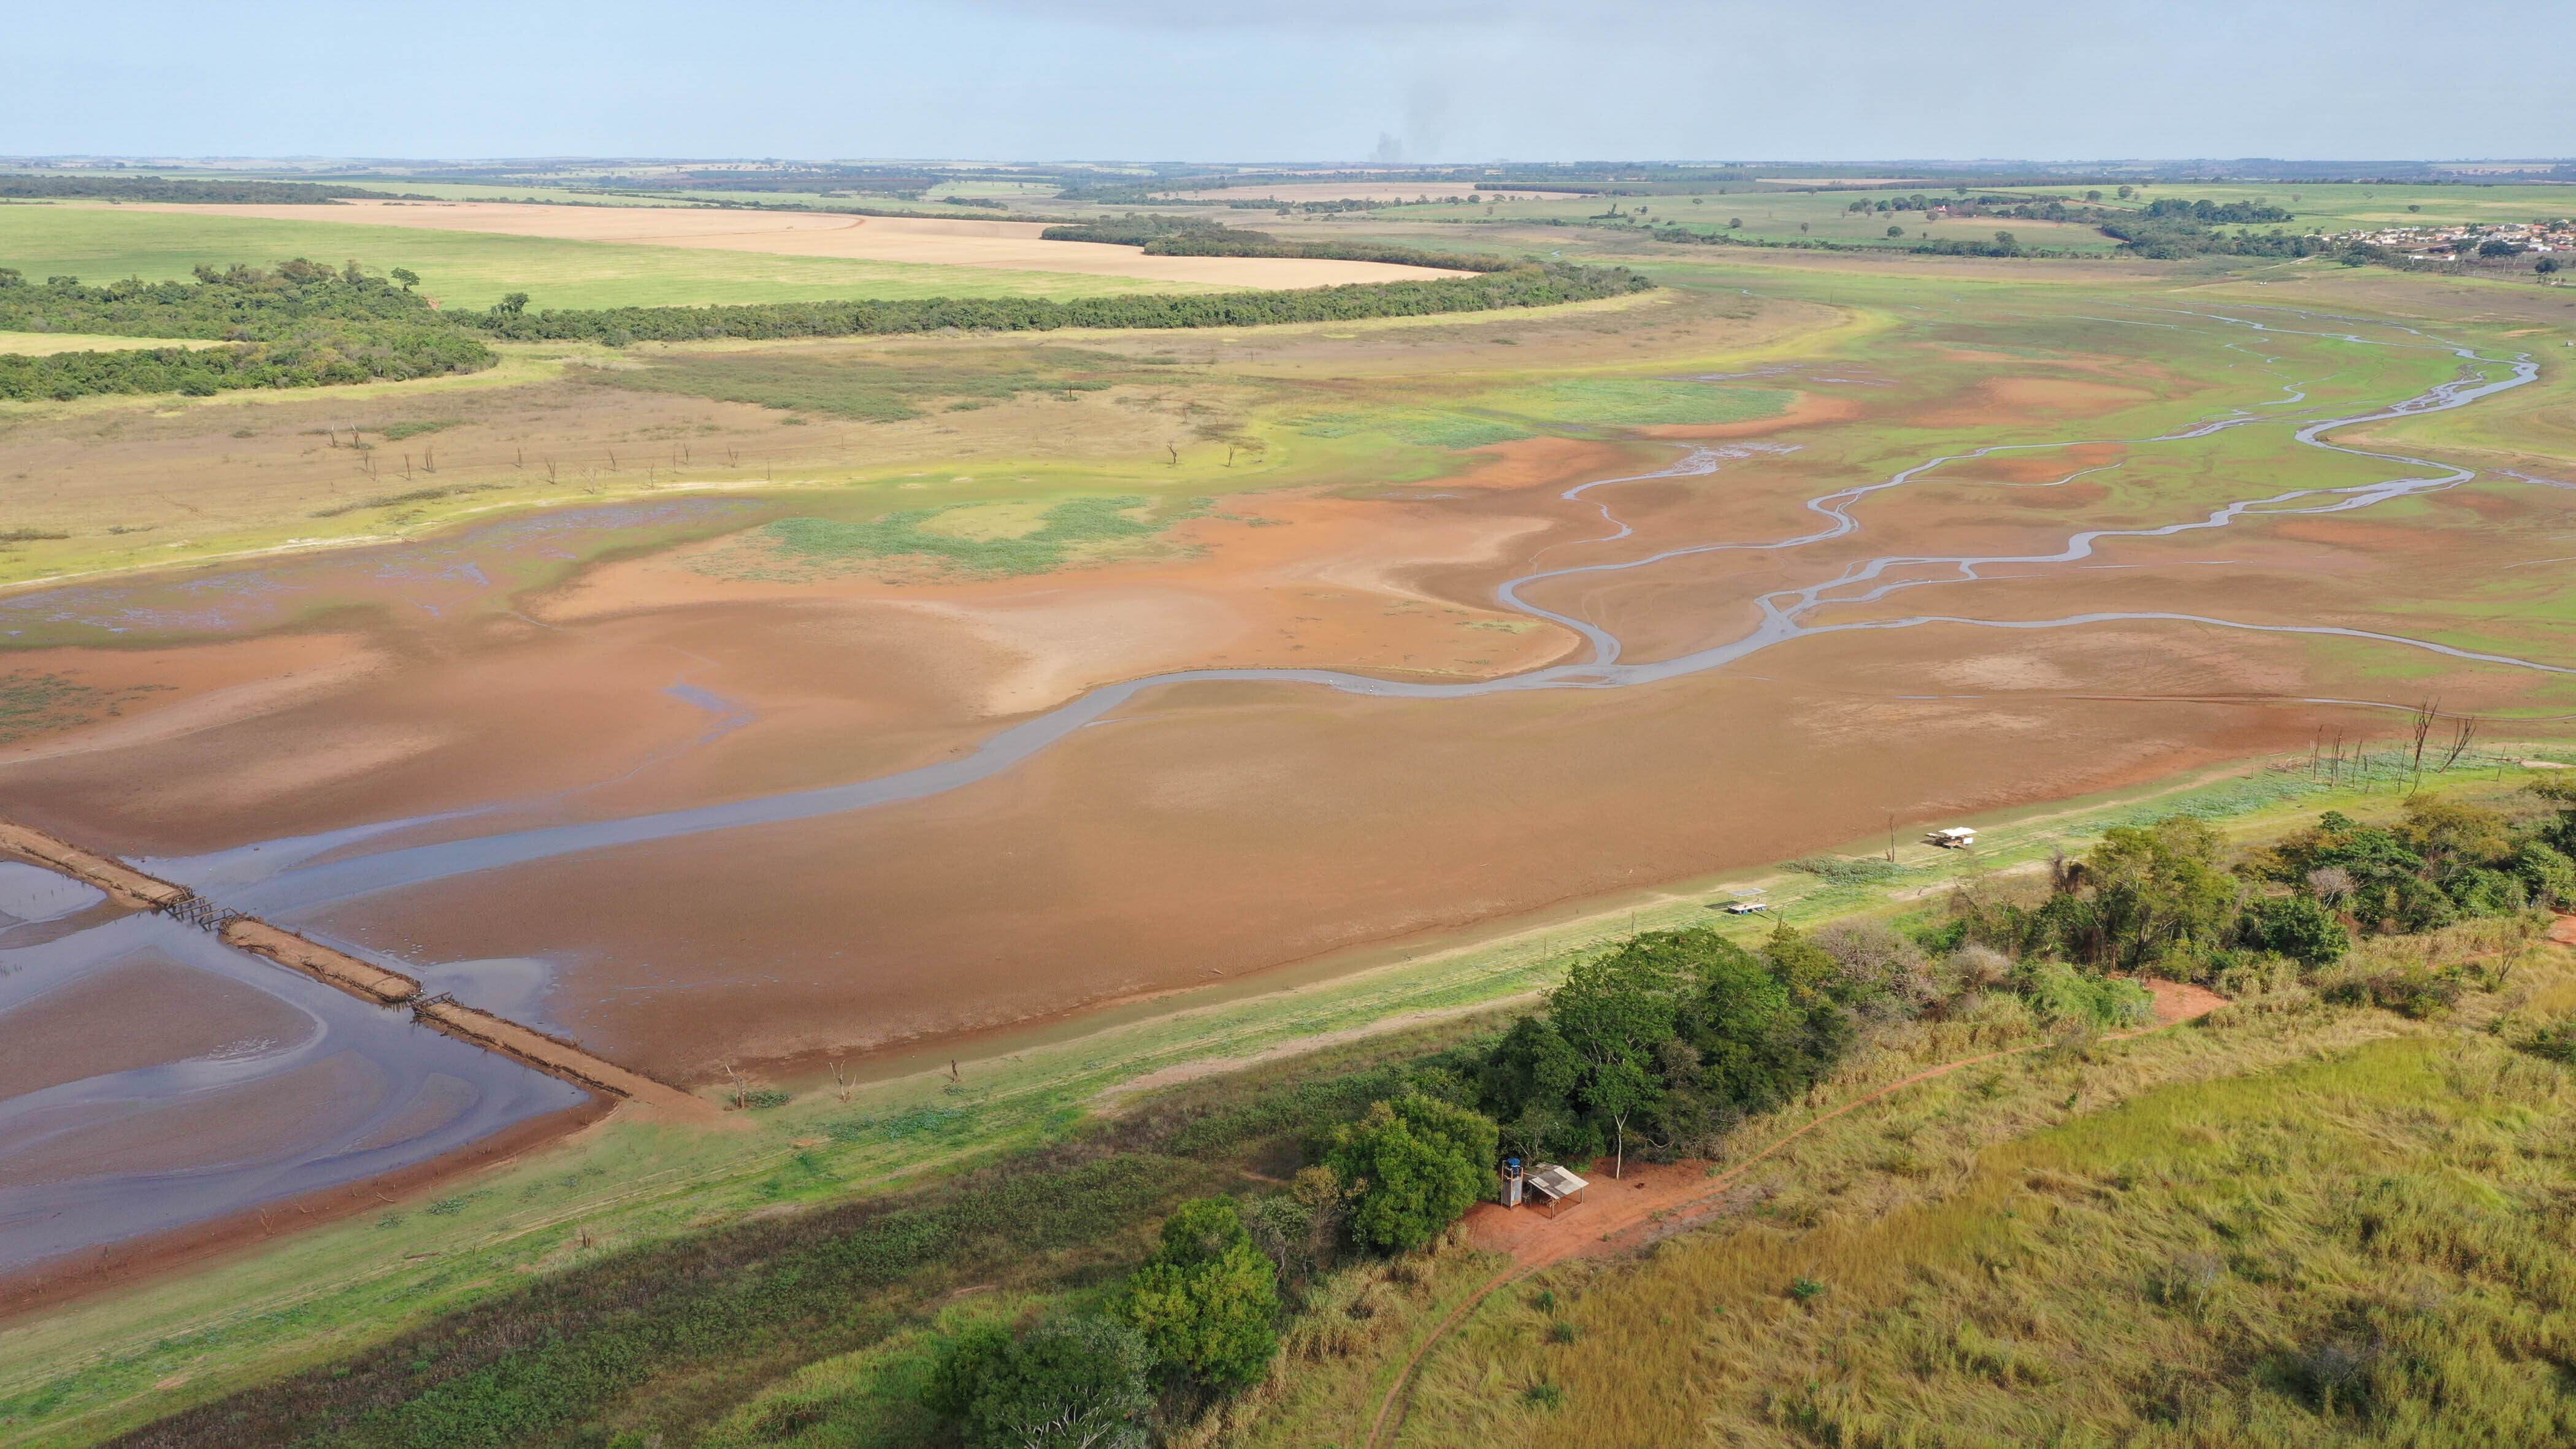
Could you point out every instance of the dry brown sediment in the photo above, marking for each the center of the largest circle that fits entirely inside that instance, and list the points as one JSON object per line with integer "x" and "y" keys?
{"x": 367, "y": 981}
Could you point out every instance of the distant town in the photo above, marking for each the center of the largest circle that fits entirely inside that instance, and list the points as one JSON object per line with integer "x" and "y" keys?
{"x": 2442, "y": 243}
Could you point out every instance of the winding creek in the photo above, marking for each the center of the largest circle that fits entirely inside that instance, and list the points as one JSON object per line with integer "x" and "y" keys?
{"x": 400, "y": 1094}
{"x": 288, "y": 876}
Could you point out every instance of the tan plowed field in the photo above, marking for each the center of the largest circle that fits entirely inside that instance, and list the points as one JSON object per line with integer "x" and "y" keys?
{"x": 1002, "y": 245}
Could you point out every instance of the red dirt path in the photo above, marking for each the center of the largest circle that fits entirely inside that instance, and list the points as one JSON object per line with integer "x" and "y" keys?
{"x": 1620, "y": 1214}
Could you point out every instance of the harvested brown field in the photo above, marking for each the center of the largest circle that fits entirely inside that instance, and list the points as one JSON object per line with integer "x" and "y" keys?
{"x": 936, "y": 241}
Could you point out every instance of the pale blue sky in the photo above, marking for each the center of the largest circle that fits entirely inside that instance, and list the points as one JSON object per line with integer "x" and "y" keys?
{"x": 1320, "y": 80}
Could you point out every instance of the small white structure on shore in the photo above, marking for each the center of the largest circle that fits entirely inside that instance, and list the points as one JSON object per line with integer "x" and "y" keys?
{"x": 1744, "y": 908}
{"x": 1552, "y": 1185}
{"x": 1955, "y": 837}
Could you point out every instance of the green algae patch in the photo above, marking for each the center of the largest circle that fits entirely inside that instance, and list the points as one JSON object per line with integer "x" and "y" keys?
{"x": 986, "y": 539}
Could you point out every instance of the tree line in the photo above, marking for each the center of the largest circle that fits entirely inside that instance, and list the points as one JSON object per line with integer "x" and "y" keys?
{"x": 21, "y": 186}
{"x": 1189, "y": 236}
{"x": 305, "y": 324}
{"x": 1525, "y": 285}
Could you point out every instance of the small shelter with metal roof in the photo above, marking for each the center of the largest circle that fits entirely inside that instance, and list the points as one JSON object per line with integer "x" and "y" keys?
{"x": 1551, "y": 1184}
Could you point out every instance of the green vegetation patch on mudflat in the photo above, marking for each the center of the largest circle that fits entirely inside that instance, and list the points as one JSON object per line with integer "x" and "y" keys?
{"x": 31, "y": 703}
{"x": 869, "y": 390}
{"x": 1645, "y": 401}
{"x": 964, "y": 538}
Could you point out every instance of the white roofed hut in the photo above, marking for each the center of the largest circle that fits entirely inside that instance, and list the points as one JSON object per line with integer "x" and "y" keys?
{"x": 1955, "y": 837}
{"x": 1553, "y": 1185}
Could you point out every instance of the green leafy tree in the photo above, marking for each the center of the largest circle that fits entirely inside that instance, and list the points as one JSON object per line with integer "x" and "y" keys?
{"x": 512, "y": 305}
{"x": 405, "y": 278}
{"x": 1616, "y": 1012}
{"x": 1531, "y": 1075}
{"x": 1070, "y": 1384}
{"x": 1208, "y": 1302}
{"x": 1896, "y": 231}
{"x": 1414, "y": 1166}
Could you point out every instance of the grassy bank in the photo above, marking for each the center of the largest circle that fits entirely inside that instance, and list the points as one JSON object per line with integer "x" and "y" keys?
{"x": 2297, "y": 1224}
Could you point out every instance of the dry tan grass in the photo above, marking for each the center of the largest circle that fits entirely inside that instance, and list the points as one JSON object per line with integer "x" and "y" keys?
{"x": 1985, "y": 1256}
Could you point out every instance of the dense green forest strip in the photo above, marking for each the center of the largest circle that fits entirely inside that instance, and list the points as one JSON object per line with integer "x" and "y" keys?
{"x": 166, "y": 188}
{"x": 1528, "y": 285}
{"x": 1187, "y": 236}
{"x": 318, "y": 359}
{"x": 303, "y": 324}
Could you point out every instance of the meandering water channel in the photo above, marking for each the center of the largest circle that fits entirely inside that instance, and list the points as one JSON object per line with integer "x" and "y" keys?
{"x": 288, "y": 876}
{"x": 424, "y": 1094}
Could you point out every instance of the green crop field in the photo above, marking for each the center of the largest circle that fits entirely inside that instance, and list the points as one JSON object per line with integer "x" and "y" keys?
{"x": 99, "y": 243}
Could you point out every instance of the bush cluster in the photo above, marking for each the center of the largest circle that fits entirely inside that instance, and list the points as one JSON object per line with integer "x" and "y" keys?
{"x": 300, "y": 324}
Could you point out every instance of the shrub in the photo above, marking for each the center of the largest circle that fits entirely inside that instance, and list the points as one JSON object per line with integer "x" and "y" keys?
{"x": 1208, "y": 1303}
{"x": 2548, "y": 876}
{"x": 2411, "y": 991}
{"x": 2299, "y": 927}
{"x": 1071, "y": 1384}
{"x": 2554, "y": 1040}
{"x": 1415, "y": 1166}
{"x": 2063, "y": 995}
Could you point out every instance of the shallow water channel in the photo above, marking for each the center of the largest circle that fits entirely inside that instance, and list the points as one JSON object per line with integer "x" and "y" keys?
{"x": 156, "y": 1078}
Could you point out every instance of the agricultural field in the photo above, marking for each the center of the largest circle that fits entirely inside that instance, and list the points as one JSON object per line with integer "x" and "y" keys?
{"x": 99, "y": 243}
{"x": 1784, "y": 214}
{"x": 919, "y": 749}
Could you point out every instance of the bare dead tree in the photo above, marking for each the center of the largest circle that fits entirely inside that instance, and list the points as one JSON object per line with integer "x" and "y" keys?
{"x": 2464, "y": 731}
{"x": 840, "y": 1082}
{"x": 2420, "y": 724}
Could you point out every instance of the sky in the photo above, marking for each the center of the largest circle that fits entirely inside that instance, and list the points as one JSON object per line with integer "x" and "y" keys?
{"x": 1295, "y": 80}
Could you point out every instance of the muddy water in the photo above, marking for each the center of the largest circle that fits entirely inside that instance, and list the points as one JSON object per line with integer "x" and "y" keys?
{"x": 165, "y": 1112}
{"x": 286, "y": 877}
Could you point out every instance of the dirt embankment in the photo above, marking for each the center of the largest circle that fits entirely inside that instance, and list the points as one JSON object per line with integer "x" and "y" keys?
{"x": 365, "y": 980}
{"x": 126, "y": 886}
